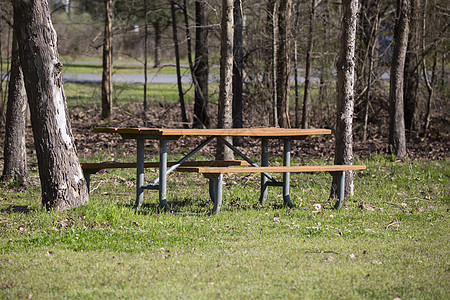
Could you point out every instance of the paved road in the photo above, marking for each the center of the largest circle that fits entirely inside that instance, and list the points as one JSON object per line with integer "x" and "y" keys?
{"x": 162, "y": 78}
{"x": 151, "y": 78}
{"x": 126, "y": 78}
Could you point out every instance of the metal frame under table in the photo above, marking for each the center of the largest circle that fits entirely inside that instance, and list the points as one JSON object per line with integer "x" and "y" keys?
{"x": 167, "y": 134}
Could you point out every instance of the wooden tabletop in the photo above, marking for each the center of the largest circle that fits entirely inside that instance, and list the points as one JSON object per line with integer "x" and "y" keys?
{"x": 254, "y": 132}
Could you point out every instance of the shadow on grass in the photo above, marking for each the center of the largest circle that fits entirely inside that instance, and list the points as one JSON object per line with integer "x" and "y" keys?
{"x": 17, "y": 209}
{"x": 201, "y": 206}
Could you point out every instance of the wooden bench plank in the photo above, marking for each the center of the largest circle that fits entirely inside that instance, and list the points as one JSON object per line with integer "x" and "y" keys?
{"x": 124, "y": 165}
{"x": 272, "y": 169}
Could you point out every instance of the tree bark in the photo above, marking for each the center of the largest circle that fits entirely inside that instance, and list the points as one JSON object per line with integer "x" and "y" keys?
{"x": 62, "y": 181}
{"x": 273, "y": 7}
{"x": 307, "y": 93}
{"x": 297, "y": 119}
{"x": 107, "y": 86}
{"x": 157, "y": 28}
{"x": 225, "y": 119}
{"x": 283, "y": 63}
{"x": 201, "y": 68}
{"x": 15, "y": 156}
{"x": 411, "y": 76}
{"x": 397, "y": 139}
{"x": 345, "y": 93}
{"x": 238, "y": 68}
{"x": 177, "y": 61}
{"x": 145, "y": 59}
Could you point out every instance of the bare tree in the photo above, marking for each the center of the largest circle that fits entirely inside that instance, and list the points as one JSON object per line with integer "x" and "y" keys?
{"x": 160, "y": 19}
{"x": 177, "y": 60}
{"x": 371, "y": 47}
{"x": 272, "y": 10}
{"x": 225, "y": 119}
{"x": 145, "y": 58}
{"x": 345, "y": 91}
{"x": 283, "y": 63}
{"x": 428, "y": 82}
{"x": 201, "y": 68}
{"x": 397, "y": 139}
{"x": 107, "y": 86}
{"x": 238, "y": 67}
{"x": 411, "y": 76}
{"x": 62, "y": 181}
{"x": 15, "y": 155}
{"x": 307, "y": 93}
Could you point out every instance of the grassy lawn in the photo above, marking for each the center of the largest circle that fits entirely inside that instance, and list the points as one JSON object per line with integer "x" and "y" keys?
{"x": 130, "y": 68}
{"x": 390, "y": 240}
{"x": 88, "y": 95}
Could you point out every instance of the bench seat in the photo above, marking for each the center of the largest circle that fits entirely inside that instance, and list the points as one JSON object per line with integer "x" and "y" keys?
{"x": 271, "y": 169}
{"x": 123, "y": 165}
{"x": 215, "y": 176}
{"x": 92, "y": 168}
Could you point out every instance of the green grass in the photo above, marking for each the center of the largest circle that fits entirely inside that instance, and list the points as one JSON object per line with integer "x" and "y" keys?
{"x": 84, "y": 95}
{"x": 105, "y": 250}
{"x": 97, "y": 68}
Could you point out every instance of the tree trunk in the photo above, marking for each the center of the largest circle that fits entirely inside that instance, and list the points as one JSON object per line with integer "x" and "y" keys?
{"x": 429, "y": 83}
{"x": 62, "y": 181}
{"x": 273, "y": 7}
{"x": 238, "y": 68}
{"x": 345, "y": 92}
{"x": 201, "y": 69}
{"x": 177, "y": 60}
{"x": 397, "y": 140}
{"x": 283, "y": 63}
{"x": 368, "y": 92}
{"x": 189, "y": 42}
{"x": 189, "y": 50}
{"x": 307, "y": 94}
{"x": 145, "y": 59}
{"x": 325, "y": 67}
{"x": 371, "y": 54}
{"x": 411, "y": 76}
{"x": 297, "y": 119}
{"x": 15, "y": 155}
{"x": 107, "y": 86}
{"x": 225, "y": 119}
{"x": 158, "y": 33}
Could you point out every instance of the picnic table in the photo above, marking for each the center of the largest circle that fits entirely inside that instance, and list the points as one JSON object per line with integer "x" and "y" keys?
{"x": 214, "y": 170}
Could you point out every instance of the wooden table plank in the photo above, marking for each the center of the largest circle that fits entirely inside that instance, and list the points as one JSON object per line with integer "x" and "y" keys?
{"x": 252, "y": 132}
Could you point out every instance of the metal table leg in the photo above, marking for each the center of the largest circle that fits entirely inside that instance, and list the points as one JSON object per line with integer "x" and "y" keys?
{"x": 163, "y": 174}
{"x": 287, "y": 175}
{"x": 212, "y": 188}
{"x": 139, "y": 173}
{"x": 217, "y": 180}
{"x": 264, "y": 163}
{"x": 340, "y": 189}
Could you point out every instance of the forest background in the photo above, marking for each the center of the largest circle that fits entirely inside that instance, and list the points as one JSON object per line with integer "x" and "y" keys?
{"x": 314, "y": 41}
